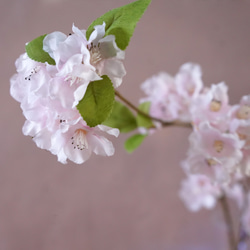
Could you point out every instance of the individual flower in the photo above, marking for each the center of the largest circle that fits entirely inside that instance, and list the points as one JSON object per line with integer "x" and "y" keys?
{"x": 188, "y": 84}
{"x": 213, "y": 153}
{"x": 45, "y": 119}
{"x": 212, "y": 106}
{"x": 31, "y": 81}
{"x": 215, "y": 144}
{"x": 198, "y": 163}
{"x": 105, "y": 56}
{"x": 160, "y": 91}
{"x": 242, "y": 111}
{"x": 80, "y": 61}
{"x": 158, "y": 86}
{"x": 197, "y": 191}
{"x": 77, "y": 141}
{"x": 240, "y": 120}
{"x": 188, "y": 81}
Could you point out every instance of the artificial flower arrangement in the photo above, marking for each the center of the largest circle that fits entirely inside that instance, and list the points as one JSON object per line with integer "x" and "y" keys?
{"x": 66, "y": 86}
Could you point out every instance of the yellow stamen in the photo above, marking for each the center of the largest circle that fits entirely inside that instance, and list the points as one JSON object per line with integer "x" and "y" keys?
{"x": 215, "y": 105}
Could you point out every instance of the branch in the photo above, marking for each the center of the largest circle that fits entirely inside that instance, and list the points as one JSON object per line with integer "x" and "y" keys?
{"x": 138, "y": 111}
{"x": 229, "y": 223}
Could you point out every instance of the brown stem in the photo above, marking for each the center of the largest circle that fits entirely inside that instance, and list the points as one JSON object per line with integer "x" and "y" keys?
{"x": 164, "y": 123}
{"x": 242, "y": 235}
{"x": 229, "y": 223}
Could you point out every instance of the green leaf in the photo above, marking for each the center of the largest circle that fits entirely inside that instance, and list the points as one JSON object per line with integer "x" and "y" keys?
{"x": 121, "y": 21}
{"x": 143, "y": 121}
{"x": 134, "y": 142}
{"x": 121, "y": 118}
{"x": 35, "y": 51}
{"x": 98, "y": 101}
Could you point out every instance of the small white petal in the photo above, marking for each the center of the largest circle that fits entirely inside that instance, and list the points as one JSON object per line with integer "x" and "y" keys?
{"x": 97, "y": 34}
{"x": 111, "y": 131}
{"x": 101, "y": 145}
{"x": 115, "y": 71}
{"x": 52, "y": 41}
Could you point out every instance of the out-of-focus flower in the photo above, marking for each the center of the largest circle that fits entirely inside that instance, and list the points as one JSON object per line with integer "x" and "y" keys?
{"x": 216, "y": 144}
{"x": 214, "y": 153}
{"x": 171, "y": 97}
{"x": 188, "y": 81}
{"x": 189, "y": 85}
{"x": 198, "y": 163}
{"x": 197, "y": 191}
{"x": 212, "y": 106}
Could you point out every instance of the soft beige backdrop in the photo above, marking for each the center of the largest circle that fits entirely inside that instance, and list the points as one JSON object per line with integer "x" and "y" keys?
{"x": 126, "y": 202}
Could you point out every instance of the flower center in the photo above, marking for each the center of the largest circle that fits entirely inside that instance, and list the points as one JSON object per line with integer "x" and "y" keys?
{"x": 73, "y": 79}
{"x": 218, "y": 146}
{"x": 191, "y": 90}
{"x": 95, "y": 54}
{"x": 215, "y": 105}
{"x": 242, "y": 136}
{"x": 33, "y": 71}
{"x": 211, "y": 162}
{"x": 79, "y": 139}
{"x": 244, "y": 112}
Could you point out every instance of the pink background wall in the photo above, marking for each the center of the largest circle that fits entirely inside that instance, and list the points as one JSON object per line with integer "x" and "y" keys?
{"x": 126, "y": 201}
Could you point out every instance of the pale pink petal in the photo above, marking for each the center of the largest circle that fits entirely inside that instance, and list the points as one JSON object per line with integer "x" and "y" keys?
{"x": 52, "y": 41}
{"x": 114, "y": 69}
{"x": 101, "y": 145}
{"x": 111, "y": 131}
{"x": 97, "y": 34}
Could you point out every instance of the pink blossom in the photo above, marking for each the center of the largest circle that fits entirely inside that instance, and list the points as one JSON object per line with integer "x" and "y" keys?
{"x": 77, "y": 141}
{"x": 188, "y": 84}
{"x": 64, "y": 133}
{"x": 214, "y": 153}
{"x": 105, "y": 56}
{"x": 158, "y": 87}
{"x": 212, "y": 105}
{"x": 188, "y": 81}
{"x": 30, "y": 83}
{"x": 80, "y": 61}
{"x": 197, "y": 191}
{"x": 198, "y": 163}
{"x": 214, "y": 143}
{"x": 240, "y": 120}
{"x": 162, "y": 95}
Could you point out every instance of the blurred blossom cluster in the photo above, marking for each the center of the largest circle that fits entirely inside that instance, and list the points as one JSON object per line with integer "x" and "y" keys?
{"x": 49, "y": 94}
{"x": 218, "y": 158}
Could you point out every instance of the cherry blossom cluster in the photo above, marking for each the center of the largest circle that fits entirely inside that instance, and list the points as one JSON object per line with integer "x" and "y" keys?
{"x": 49, "y": 94}
{"x": 218, "y": 159}
{"x": 57, "y": 71}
